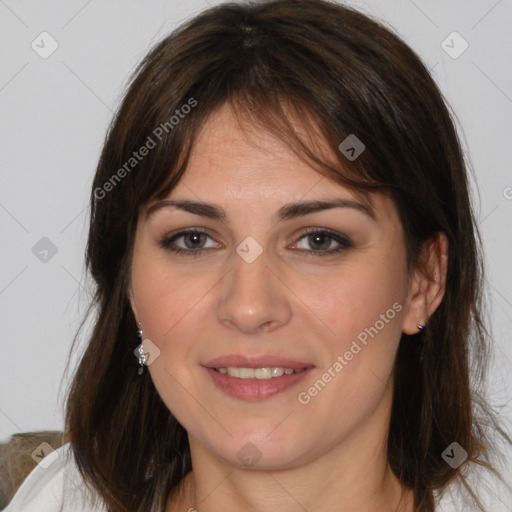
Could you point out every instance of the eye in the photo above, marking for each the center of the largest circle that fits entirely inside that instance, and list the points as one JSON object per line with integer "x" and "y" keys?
{"x": 193, "y": 240}
{"x": 321, "y": 240}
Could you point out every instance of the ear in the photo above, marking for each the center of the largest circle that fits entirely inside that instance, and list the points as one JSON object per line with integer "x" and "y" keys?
{"x": 427, "y": 284}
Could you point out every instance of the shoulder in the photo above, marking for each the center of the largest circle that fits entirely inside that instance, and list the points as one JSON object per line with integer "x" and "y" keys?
{"x": 54, "y": 485}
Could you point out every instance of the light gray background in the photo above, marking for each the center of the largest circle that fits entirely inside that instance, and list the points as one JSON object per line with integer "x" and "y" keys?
{"x": 54, "y": 114}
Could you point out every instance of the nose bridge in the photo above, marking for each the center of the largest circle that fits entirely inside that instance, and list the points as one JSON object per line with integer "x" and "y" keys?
{"x": 252, "y": 295}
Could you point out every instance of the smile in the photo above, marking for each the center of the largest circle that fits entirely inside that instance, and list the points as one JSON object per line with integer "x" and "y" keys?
{"x": 258, "y": 373}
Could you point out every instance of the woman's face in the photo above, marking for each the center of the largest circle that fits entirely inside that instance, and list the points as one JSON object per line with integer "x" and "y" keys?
{"x": 270, "y": 284}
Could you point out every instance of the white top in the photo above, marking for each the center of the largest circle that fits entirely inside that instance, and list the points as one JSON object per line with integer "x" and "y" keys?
{"x": 55, "y": 485}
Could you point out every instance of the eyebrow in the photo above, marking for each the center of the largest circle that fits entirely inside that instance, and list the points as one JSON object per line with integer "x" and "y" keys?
{"x": 286, "y": 212}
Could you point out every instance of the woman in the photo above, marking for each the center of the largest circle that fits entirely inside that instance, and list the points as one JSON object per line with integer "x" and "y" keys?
{"x": 281, "y": 232}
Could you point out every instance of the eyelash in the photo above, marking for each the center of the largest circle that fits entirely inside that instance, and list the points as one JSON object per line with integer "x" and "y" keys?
{"x": 344, "y": 241}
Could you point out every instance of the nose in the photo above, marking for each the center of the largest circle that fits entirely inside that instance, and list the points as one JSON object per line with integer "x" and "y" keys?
{"x": 253, "y": 298}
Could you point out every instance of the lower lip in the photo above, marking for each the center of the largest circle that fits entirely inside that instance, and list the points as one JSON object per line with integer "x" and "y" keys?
{"x": 255, "y": 389}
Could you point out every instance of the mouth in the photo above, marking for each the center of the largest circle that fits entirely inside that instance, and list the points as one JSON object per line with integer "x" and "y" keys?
{"x": 255, "y": 378}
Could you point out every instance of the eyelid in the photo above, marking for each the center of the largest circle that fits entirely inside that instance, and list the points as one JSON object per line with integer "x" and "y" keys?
{"x": 325, "y": 231}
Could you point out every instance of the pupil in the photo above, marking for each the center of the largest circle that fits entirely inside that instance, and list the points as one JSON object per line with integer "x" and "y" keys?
{"x": 195, "y": 238}
{"x": 316, "y": 237}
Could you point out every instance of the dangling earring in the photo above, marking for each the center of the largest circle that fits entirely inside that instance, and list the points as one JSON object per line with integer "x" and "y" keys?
{"x": 139, "y": 352}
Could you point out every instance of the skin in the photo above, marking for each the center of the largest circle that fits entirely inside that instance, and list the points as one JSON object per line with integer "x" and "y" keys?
{"x": 328, "y": 454}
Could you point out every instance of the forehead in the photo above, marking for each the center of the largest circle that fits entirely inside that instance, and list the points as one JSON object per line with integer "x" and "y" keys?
{"x": 231, "y": 147}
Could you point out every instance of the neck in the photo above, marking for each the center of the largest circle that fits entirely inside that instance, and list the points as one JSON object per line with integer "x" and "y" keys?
{"x": 288, "y": 490}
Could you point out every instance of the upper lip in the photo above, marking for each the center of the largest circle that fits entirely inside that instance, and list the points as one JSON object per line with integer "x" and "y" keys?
{"x": 240, "y": 361}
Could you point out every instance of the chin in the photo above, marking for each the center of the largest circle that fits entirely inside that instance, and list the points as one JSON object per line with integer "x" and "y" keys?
{"x": 262, "y": 452}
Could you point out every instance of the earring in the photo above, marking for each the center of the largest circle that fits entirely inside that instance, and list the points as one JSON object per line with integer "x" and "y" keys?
{"x": 139, "y": 352}
{"x": 421, "y": 327}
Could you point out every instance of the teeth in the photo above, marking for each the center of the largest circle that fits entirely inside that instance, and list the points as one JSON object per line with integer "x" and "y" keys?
{"x": 257, "y": 373}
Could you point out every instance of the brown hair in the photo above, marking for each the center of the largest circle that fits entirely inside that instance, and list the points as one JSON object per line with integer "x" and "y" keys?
{"x": 342, "y": 73}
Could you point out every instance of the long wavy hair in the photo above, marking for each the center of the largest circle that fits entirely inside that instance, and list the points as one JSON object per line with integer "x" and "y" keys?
{"x": 340, "y": 73}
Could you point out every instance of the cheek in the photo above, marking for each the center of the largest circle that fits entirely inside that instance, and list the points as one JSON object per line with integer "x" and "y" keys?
{"x": 363, "y": 313}
{"x": 164, "y": 298}
{"x": 355, "y": 297}
{"x": 167, "y": 304}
